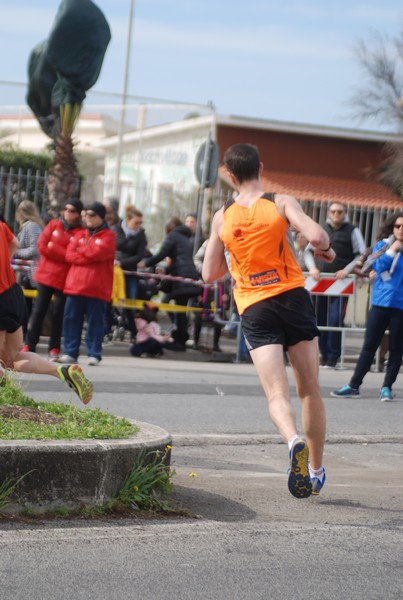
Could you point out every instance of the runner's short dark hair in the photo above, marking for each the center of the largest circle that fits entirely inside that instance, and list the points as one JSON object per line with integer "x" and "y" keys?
{"x": 243, "y": 161}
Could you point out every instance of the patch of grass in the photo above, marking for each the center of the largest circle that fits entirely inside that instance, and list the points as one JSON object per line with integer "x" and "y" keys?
{"x": 62, "y": 511}
{"x": 7, "y": 488}
{"x": 144, "y": 493}
{"x": 76, "y": 423}
{"x": 28, "y": 512}
{"x": 106, "y": 512}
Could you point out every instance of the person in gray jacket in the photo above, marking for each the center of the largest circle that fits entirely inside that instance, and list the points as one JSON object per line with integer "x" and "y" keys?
{"x": 30, "y": 228}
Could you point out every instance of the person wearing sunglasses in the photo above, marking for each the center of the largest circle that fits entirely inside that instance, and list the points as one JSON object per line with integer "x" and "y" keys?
{"x": 88, "y": 286}
{"x": 348, "y": 243}
{"x": 385, "y": 313}
{"x": 51, "y": 276}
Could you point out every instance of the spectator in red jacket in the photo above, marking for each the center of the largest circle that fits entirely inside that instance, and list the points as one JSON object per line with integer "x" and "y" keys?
{"x": 51, "y": 276}
{"x": 88, "y": 286}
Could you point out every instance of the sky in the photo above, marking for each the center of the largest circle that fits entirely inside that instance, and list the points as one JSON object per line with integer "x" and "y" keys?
{"x": 289, "y": 61}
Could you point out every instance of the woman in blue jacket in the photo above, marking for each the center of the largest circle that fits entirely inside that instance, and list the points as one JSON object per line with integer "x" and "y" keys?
{"x": 386, "y": 311}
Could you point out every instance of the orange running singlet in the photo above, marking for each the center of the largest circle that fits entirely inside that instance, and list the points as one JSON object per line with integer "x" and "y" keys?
{"x": 262, "y": 262}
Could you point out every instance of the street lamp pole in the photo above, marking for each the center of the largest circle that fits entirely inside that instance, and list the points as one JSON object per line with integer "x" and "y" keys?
{"x": 116, "y": 185}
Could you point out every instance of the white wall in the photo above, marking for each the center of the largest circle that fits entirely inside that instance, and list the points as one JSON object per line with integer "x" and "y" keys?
{"x": 156, "y": 165}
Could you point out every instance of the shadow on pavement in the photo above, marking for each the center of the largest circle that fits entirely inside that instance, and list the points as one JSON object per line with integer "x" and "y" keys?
{"x": 210, "y": 506}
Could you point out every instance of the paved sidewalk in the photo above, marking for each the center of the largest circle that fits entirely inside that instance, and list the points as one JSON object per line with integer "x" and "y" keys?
{"x": 220, "y": 402}
{"x": 251, "y": 539}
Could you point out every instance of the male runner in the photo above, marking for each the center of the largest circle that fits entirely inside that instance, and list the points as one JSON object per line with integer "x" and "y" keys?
{"x": 276, "y": 311}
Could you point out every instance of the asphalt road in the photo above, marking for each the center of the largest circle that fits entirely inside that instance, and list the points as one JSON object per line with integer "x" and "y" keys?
{"x": 249, "y": 539}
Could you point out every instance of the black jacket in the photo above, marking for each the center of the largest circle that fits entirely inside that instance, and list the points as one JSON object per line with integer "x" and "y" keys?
{"x": 130, "y": 249}
{"x": 342, "y": 245}
{"x": 178, "y": 247}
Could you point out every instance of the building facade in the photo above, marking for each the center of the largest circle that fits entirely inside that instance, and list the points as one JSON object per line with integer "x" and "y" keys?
{"x": 317, "y": 165}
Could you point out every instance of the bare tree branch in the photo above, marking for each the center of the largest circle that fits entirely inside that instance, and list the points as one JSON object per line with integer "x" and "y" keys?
{"x": 381, "y": 96}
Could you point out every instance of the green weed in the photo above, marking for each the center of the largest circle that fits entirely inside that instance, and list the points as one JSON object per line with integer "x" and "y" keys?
{"x": 148, "y": 482}
{"x": 7, "y": 489}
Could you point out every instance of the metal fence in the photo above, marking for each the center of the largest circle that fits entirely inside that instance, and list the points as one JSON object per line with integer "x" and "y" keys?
{"x": 366, "y": 218}
{"x": 15, "y": 186}
{"x": 356, "y": 290}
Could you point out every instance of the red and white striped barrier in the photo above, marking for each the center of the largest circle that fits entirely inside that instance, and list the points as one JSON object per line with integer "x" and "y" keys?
{"x": 330, "y": 286}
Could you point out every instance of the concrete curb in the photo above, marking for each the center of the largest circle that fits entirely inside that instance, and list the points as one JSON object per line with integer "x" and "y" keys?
{"x": 69, "y": 473}
{"x": 256, "y": 439}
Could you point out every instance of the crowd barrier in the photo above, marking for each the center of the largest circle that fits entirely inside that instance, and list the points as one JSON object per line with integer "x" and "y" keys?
{"x": 356, "y": 289}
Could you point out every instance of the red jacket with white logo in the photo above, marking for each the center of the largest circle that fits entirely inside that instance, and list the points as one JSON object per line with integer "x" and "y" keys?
{"x": 52, "y": 245}
{"x": 91, "y": 255}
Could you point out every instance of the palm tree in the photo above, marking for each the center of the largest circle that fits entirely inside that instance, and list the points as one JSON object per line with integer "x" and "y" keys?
{"x": 63, "y": 178}
{"x": 61, "y": 70}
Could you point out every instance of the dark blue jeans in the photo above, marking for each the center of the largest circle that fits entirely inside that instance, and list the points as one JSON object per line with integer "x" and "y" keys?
{"x": 330, "y": 311}
{"x": 381, "y": 318}
{"x": 78, "y": 307}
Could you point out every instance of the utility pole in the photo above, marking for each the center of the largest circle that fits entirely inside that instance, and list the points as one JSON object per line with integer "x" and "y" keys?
{"x": 116, "y": 186}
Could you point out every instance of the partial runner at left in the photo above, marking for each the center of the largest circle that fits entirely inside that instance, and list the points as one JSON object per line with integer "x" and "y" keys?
{"x": 12, "y": 314}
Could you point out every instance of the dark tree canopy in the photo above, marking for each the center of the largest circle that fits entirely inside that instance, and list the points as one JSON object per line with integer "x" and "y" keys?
{"x": 42, "y": 79}
{"x": 76, "y": 47}
{"x": 66, "y": 65}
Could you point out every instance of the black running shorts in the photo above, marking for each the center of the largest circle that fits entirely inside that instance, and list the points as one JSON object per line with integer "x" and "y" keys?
{"x": 13, "y": 309}
{"x": 285, "y": 319}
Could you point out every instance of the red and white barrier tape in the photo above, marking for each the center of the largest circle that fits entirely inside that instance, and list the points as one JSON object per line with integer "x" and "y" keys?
{"x": 327, "y": 286}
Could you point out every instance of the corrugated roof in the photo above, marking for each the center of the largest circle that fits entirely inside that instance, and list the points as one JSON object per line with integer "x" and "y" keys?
{"x": 318, "y": 188}
{"x": 307, "y": 129}
{"x": 331, "y": 189}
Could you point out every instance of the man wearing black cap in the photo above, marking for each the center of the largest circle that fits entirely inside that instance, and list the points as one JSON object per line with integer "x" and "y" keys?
{"x": 51, "y": 276}
{"x": 88, "y": 285}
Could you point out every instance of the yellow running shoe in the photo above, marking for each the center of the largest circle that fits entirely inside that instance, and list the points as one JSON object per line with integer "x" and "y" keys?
{"x": 299, "y": 481}
{"x": 76, "y": 380}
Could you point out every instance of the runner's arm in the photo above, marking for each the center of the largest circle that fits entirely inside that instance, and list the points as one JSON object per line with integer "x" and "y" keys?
{"x": 290, "y": 208}
{"x": 13, "y": 246}
{"x": 214, "y": 263}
